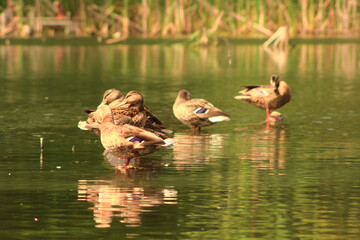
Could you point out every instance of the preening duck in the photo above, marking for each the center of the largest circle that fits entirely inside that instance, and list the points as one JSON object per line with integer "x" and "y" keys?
{"x": 268, "y": 97}
{"x": 130, "y": 110}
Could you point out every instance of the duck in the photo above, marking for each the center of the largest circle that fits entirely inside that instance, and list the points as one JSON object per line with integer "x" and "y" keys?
{"x": 268, "y": 97}
{"x": 114, "y": 98}
{"x": 196, "y": 112}
{"x": 134, "y": 102}
{"x": 111, "y": 97}
{"x": 127, "y": 141}
{"x": 127, "y": 110}
{"x": 131, "y": 110}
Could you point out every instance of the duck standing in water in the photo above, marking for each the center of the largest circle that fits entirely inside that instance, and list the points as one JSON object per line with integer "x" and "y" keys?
{"x": 268, "y": 97}
{"x": 127, "y": 141}
{"x": 196, "y": 112}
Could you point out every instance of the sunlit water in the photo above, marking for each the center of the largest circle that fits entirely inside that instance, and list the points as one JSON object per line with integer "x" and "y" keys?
{"x": 235, "y": 180}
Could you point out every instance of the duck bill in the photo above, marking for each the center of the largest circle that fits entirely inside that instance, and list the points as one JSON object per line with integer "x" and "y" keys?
{"x": 238, "y": 97}
{"x": 100, "y": 104}
{"x": 120, "y": 104}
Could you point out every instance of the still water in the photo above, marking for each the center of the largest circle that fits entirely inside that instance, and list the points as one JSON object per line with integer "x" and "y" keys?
{"x": 235, "y": 180}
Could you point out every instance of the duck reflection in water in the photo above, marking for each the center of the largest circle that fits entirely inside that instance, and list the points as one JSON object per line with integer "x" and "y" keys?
{"x": 275, "y": 119}
{"x": 125, "y": 196}
{"x": 192, "y": 150}
{"x": 265, "y": 148}
{"x": 150, "y": 164}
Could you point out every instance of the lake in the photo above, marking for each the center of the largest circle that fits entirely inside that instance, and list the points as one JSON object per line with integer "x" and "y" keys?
{"x": 234, "y": 180}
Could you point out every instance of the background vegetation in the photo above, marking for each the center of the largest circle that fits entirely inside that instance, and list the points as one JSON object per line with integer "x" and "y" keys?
{"x": 193, "y": 19}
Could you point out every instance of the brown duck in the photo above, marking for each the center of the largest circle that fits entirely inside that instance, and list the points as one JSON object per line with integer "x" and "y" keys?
{"x": 196, "y": 112}
{"x": 111, "y": 97}
{"x": 131, "y": 110}
{"x": 127, "y": 141}
{"x": 127, "y": 111}
{"x": 268, "y": 97}
{"x": 133, "y": 103}
{"x": 114, "y": 99}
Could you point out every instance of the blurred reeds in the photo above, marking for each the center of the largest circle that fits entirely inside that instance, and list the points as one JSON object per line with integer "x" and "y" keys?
{"x": 198, "y": 20}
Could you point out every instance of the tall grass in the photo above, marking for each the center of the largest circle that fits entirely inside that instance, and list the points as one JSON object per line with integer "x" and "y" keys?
{"x": 203, "y": 20}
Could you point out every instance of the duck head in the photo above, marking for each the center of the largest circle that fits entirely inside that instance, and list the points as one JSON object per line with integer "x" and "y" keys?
{"x": 185, "y": 95}
{"x": 112, "y": 96}
{"x": 275, "y": 82}
{"x": 133, "y": 98}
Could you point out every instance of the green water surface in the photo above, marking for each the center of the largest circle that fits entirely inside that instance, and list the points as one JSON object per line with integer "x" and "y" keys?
{"x": 235, "y": 180}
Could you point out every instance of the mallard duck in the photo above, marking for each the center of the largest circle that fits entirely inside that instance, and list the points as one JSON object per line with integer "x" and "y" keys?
{"x": 127, "y": 141}
{"x": 133, "y": 106}
{"x": 114, "y": 98}
{"x": 152, "y": 122}
{"x": 131, "y": 110}
{"x": 126, "y": 111}
{"x": 196, "y": 112}
{"x": 111, "y": 97}
{"x": 268, "y": 97}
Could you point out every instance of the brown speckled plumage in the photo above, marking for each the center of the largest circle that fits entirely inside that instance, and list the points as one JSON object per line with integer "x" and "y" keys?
{"x": 131, "y": 110}
{"x": 195, "y": 112}
{"x": 126, "y": 111}
{"x": 268, "y": 97}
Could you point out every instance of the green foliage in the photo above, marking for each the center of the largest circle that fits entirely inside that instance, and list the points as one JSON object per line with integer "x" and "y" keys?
{"x": 202, "y": 18}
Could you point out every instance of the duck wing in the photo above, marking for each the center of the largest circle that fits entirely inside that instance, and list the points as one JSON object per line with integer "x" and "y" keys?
{"x": 204, "y": 109}
{"x": 152, "y": 117}
{"x": 135, "y": 134}
{"x": 201, "y": 112}
{"x": 260, "y": 96}
{"x": 154, "y": 123}
{"x": 128, "y": 116}
{"x": 260, "y": 91}
{"x": 247, "y": 88}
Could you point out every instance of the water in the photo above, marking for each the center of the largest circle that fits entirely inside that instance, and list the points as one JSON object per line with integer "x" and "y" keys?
{"x": 235, "y": 180}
